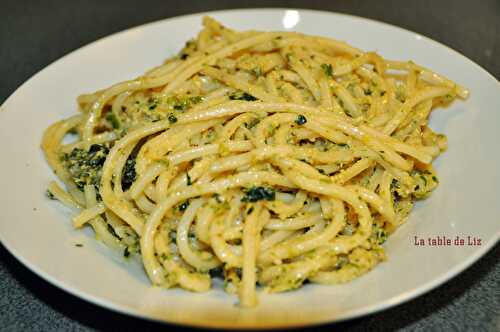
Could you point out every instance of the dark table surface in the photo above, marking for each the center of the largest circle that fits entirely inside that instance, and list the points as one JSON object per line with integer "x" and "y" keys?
{"x": 35, "y": 33}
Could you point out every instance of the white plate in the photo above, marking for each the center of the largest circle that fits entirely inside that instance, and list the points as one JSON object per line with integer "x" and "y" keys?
{"x": 38, "y": 232}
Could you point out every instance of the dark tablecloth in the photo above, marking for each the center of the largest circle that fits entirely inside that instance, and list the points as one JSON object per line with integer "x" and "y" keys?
{"x": 35, "y": 33}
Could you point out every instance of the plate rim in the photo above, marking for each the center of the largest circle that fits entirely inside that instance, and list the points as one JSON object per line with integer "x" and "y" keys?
{"x": 355, "y": 313}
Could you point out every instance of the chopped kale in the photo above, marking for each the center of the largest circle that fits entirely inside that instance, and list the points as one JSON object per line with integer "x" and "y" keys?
{"x": 183, "y": 206}
{"x": 242, "y": 96}
{"x": 425, "y": 183}
{"x": 255, "y": 194}
{"x": 126, "y": 252}
{"x": 50, "y": 194}
{"x": 301, "y": 120}
{"x": 395, "y": 186}
{"x": 217, "y": 272}
{"x": 217, "y": 198}
{"x": 188, "y": 179}
{"x": 129, "y": 175}
{"x": 153, "y": 103}
{"x": 172, "y": 118}
{"x": 183, "y": 103}
{"x": 97, "y": 154}
{"x": 327, "y": 69}
{"x": 423, "y": 179}
{"x": 85, "y": 167}
{"x": 113, "y": 120}
{"x": 111, "y": 230}
{"x": 379, "y": 235}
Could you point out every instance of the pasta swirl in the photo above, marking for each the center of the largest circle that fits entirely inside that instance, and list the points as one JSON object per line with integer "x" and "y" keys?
{"x": 264, "y": 158}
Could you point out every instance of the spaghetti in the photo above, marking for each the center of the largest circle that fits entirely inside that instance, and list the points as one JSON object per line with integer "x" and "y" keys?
{"x": 267, "y": 158}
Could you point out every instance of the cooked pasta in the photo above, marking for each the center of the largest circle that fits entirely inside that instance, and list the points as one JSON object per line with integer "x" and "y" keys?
{"x": 264, "y": 158}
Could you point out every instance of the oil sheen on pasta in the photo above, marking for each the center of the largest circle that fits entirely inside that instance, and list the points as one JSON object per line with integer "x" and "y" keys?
{"x": 264, "y": 158}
